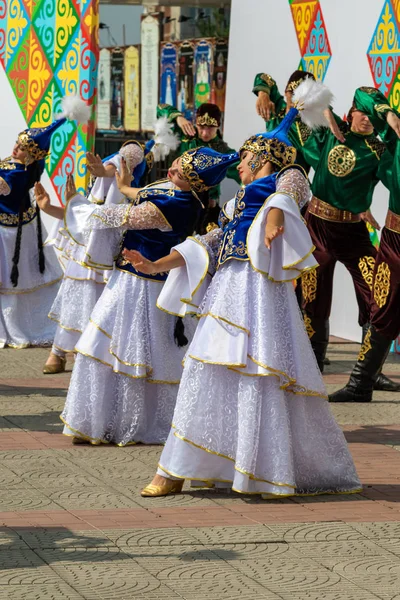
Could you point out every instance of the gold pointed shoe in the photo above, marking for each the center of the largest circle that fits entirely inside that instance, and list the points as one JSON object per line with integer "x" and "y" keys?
{"x": 156, "y": 491}
{"x": 56, "y": 368}
{"x": 78, "y": 440}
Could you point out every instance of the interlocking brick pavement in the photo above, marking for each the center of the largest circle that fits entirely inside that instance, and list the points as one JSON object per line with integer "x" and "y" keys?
{"x": 73, "y": 524}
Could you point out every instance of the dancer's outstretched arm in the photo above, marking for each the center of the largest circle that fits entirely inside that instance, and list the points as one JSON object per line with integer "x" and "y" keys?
{"x": 142, "y": 264}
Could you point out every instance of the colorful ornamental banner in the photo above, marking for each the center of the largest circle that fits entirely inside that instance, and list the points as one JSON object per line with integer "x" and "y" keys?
{"x": 49, "y": 48}
{"x": 312, "y": 37}
{"x": 168, "y": 81}
{"x": 202, "y": 69}
{"x": 104, "y": 90}
{"x": 150, "y": 36}
{"x": 384, "y": 52}
{"x": 117, "y": 88}
{"x": 131, "y": 103}
{"x": 185, "y": 79}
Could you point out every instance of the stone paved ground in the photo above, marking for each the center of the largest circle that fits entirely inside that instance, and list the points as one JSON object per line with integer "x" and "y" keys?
{"x": 73, "y": 524}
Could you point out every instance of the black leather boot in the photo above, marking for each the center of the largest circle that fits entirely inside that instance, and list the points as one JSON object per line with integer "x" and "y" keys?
{"x": 318, "y": 332}
{"x": 382, "y": 383}
{"x": 369, "y": 364}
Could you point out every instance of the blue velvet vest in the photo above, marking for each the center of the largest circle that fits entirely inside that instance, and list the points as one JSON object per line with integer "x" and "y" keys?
{"x": 180, "y": 209}
{"x": 16, "y": 177}
{"x": 248, "y": 202}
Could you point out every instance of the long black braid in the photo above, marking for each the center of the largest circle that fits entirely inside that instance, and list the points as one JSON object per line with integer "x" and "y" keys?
{"x": 179, "y": 331}
{"x": 35, "y": 171}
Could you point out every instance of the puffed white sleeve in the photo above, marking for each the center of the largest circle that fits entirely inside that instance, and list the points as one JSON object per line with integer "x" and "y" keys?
{"x": 109, "y": 223}
{"x": 105, "y": 189}
{"x": 290, "y": 254}
{"x": 144, "y": 216}
{"x": 185, "y": 286}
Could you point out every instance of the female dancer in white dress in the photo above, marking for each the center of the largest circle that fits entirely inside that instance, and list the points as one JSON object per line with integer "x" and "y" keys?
{"x": 252, "y": 412}
{"x": 29, "y": 270}
{"x": 126, "y": 375}
{"x": 83, "y": 280}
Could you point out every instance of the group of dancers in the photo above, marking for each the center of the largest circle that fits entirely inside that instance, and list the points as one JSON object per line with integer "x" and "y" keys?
{"x": 184, "y": 317}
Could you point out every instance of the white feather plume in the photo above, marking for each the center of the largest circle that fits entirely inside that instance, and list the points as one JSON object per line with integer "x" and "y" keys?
{"x": 74, "y": 109}
{"x": 311, "y": 98}
{"x": 165, "y": 139}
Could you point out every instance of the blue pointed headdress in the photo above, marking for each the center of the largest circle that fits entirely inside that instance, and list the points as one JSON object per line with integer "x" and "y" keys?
{"x": 310, "y": 99}
{"x": 36, "y": 141}
{"x": 272, "y": 146}
{"x": 203, "y": 167}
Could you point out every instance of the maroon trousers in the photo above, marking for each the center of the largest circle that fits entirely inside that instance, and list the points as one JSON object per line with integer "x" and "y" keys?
{"x": 350, "y": 244}
{"x": 385, "y": 309}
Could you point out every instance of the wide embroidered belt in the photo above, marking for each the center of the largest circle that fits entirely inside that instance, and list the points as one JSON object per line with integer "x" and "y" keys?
{"x": 392, "y": 221}
{"x": 326, "y": 211}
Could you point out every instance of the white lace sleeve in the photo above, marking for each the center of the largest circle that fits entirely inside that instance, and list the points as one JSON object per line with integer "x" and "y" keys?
{"x": 147, "y": 216}
{"x": 211, "y": 242}
{"x": 110, "y": 217}
{"x": 293, "y": 183}
{"x": 4, "y": 187}
{"x": 143, "y": 216}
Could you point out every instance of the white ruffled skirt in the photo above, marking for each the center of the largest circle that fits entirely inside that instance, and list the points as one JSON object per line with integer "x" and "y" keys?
{"x": 125, "y": 379}
{"x": 76, "y": 298}
{"x": 252, "y": 411}
{"x": 24, "y": 308}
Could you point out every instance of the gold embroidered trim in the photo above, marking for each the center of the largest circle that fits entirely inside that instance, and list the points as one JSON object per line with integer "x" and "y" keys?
{"x": 303, "y": 131}
{"x": 229, "y": 248}
{"x": 53, "y": 318}
{"x": 160, "y": 214}
{"x": 293, "y": 85}
{"x": 383, "y": 108}
{"x": 368, "y": 89}
{"x": 211, "y": 227}
{"x": 111, "y": 366}
{"x": 12, "y": 292}
{"x": 28, "y": 216}
{"x": 93, "y": 441}
{"x": 8, "y": 164}
{"x": 309, "y": 286}
{"x": 309, "y": 327}
{"x": 219, "y": 318}
{"x": 204, "y": 274}
{"x": 140, "y": 276}
{"x": 366, "y": 346}
{"x": 145, "y": 193}
{"x": 29, "y": 145}
{"x": 292, "y": 266}
{"x": 366, "y": 266}
{"x": 267, "y": 79}
{"x": 382, "y": 284}
{"x": 84, "y": 279}
{"x": 375, "y": 145}
{"x": 218, "y": 364}
{"x": 209, "y": 483}
{"x": 100, "y": 329}
{"x": 290, "y": 385}
{"x": 250, "y": 475}
{"x": 192, "y": 160}
{"x": 149, "y": 369}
